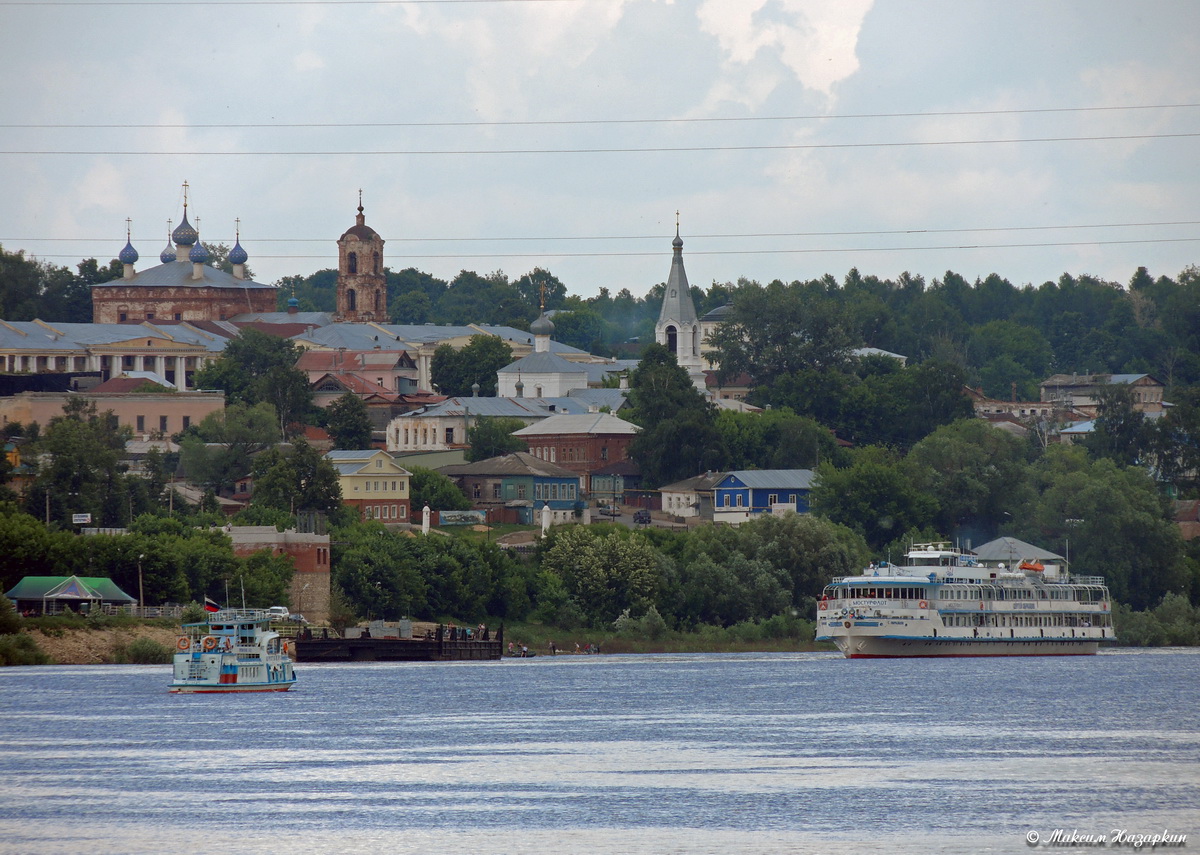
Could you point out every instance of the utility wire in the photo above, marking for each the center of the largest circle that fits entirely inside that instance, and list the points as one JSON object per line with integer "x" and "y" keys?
{"x": 809, "y": 251}
{"x": 643, "y": 237}
{"x": 553, "y": 122}
{"x": 650, "y": 150}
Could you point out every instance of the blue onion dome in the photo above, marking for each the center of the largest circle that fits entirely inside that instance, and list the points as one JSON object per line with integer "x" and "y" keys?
{"x": 128, "y": 255}
{"x": 184, "y": 234}
{"x": 542, "y": 326}
{"x": 198, "y": 253}
{"x": 293, "y": 303}
{"x": 167, "y": 255}
{"x": 237, "y": 255}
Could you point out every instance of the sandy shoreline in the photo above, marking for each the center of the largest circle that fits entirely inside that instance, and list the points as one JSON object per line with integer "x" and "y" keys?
{"x": 97, "y": 646}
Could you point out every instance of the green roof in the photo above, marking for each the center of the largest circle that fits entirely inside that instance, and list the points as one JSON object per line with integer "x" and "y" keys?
{"x": 83, "y": 588}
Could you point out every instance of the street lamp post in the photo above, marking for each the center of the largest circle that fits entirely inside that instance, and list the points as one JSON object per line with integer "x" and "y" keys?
{"x": 141, "y": 597}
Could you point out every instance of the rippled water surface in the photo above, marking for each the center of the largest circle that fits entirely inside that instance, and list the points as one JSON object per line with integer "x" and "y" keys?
{"x": 606, "y": 754}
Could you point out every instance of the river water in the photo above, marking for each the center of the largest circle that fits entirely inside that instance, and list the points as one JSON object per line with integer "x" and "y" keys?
{"x": 705, "y": 753}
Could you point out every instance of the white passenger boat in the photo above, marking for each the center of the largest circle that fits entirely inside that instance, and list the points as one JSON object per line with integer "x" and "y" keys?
{"x": 943, "y": 602}
{"x": 234, "y": 650}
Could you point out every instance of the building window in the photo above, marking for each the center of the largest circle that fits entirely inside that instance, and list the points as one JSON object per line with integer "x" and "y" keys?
{"x": 476, "y": 491}
{"x": 604, "y": 453}
{"x": 449, "y": 436}
{"x": 520, "y": 491}
{"x": 553, "y": 455}
{"x": 149, "y": 316}
{"x": 122, "y": 317}
{"x": 773, "y": 499}
{"x": 351, "y": 300}
{"x": 187, "y": 422}
{"x": 379, "y": 463}
{"x": 739, "y": 500}
{"x": 406, "y": 436}
{"x": 394, "y": 512}
{"x": 352, "y": 264}
{"x": 553, "y": 491}
{"x": 403, "y": 511}
{"x": 496, "y": 490}
{"x": 726, "y": 500}
{"x": 141, "y": 424}
{"x": 178, "y": 316}
{"x": 393, "y": 486}
{"x": 162, "y": 423}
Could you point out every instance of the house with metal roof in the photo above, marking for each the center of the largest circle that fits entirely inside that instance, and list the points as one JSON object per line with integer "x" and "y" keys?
{"x": 374, "y": 483}
{"x": 1082, "y": 391}
{"x": 515, "y": 487}
{"x": 582, "y": 443}
{"x": 743, "y": 494}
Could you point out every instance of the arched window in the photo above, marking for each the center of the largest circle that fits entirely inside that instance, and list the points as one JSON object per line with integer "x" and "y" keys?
{"x": 352, "y": 262}
{"x": 377, "y": 301}
{"x": 672, "y": 339}
{"x": 375, "y": 263}
{"x": 351, "y": 299}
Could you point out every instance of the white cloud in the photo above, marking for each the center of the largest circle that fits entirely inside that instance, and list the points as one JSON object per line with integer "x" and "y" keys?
{"x": 814, "y": 39}
{"x": 308, "y": 61}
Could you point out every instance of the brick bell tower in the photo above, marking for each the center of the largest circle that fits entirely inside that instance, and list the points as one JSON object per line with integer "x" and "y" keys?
{"x": 361, "y": 286}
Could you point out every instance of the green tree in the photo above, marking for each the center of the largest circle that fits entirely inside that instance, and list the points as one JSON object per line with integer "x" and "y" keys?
{"x": 82, "y": 469}
{"x": 679, "y": 436}
{"x": 874, "y": 496}
{"x": 492, "y": 436}
{"x": 606, "y": 573}
{"x": 773, "y": 331}
{"x": 434, "y": 489}
{"x": 259, "y": 368}
{"x": 222, "y": 447}
{"x": 1121, "y": 433}
{"x": 977, "y": 475}
{"x": 300, "y": 480}
{"x": 454, "y": 372}
{"x": 1110, "y": 521}
{"x": 349, "y": 423}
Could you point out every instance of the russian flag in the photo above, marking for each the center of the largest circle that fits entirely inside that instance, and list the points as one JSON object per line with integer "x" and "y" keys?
{"x": 210, "y": 606}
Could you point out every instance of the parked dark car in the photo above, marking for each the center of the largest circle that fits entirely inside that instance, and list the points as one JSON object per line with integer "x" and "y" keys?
{"x": 641, "y": 517}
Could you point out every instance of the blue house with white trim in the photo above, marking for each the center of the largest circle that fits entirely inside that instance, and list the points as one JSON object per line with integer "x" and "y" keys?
{"x": 741, "y": 495}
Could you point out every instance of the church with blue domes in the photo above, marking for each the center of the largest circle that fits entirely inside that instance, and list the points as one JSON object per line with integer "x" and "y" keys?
{"x": 183, "y": 286}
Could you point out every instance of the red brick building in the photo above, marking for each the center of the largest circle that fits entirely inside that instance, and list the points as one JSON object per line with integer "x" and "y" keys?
{"x": 183, "y": 287}
{"x": 582, "y": 443}
{"x": 309, "y": 594}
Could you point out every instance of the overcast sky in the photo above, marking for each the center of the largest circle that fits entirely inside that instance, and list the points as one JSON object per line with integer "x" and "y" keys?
{"x": 795, "y": 137}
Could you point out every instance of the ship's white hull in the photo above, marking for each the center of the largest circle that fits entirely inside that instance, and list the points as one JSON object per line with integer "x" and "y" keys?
{"x": 878, "y": 647}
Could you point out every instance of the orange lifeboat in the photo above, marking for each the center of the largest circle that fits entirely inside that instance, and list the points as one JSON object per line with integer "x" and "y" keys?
{"x": 1035, "y": 566}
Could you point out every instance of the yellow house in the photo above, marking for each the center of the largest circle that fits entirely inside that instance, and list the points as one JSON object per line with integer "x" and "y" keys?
{"x": 372, "y": 481}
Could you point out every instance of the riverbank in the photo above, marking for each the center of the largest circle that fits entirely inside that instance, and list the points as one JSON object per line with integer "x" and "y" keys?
{"x": 104, "y": 646}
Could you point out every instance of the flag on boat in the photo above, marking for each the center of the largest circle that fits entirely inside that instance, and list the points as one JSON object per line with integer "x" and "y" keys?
{"x": 210, "y": 606}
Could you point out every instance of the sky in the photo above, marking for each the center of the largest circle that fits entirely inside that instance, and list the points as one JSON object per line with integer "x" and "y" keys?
{"x": 795, "y": 138}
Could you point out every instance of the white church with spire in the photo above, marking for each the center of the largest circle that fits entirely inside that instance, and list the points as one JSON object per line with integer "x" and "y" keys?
{"x": 678, "y": 328}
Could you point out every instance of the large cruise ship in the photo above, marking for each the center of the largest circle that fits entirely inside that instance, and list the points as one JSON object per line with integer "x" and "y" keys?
{"x": 944, "y": 602}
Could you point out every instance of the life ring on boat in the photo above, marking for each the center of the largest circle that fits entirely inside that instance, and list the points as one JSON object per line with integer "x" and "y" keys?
{"x": 822, "y": 606}
{"x": 846, "y": 624}
{"x": 209, "y": 643}
{"x": 183, "y": 643}
{"x": 924, "y": 604}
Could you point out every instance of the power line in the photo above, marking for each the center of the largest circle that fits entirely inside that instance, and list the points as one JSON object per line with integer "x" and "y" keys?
{"x": 808, "y": 251}
{"x": 649, "y": 150}
{"x": 572, "y": 122}
{"x": 691, "y": 237}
